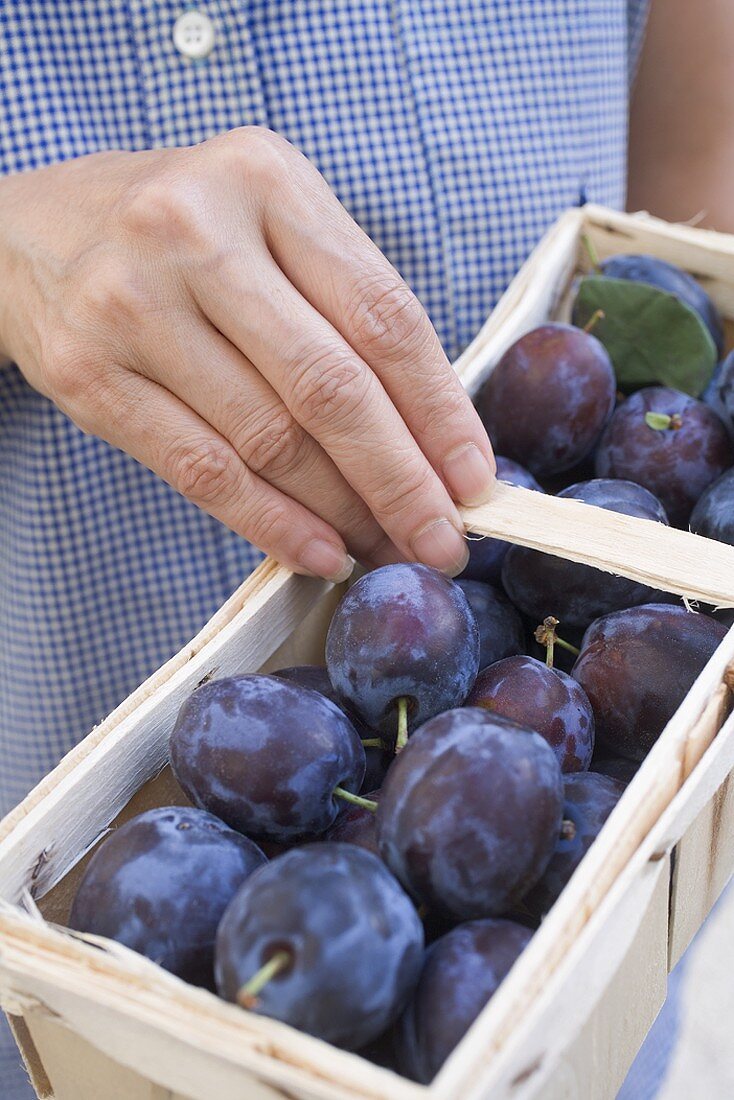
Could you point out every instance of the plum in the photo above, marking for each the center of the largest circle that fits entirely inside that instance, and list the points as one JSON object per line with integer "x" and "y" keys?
{"x": 719, "y": 394}
{"x": 540, "y": 584}
{"x": 616, "y": 767}
{"x": 316, "y": 677}
{"x": 486, "y": 554}
{"x": 637, "y": 666}
{"x": 501, "y": 630}
{"x": 469, "y": 813}
{"x": 160, "y": 884}
{"x": 542, "y": 699}
{"x": 640, "y": 268}
{"x": 589, "y": 799}
{"x": 462, "y": 970}
{"x": 266, "y": 756}
{"x": 549, "y": 398}
{"x": 669, "y": 442}
{"x": 323, "y": 938}
{"x": 356, "y": 825}
{"x": 713, "y": 515}
{"x": 402, "y": 636}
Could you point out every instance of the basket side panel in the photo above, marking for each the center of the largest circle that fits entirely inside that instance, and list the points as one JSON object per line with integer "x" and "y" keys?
{"x": 596, "y": 1063}
{"x": 704, "y": 865}
{"x": 77, "y": 1071}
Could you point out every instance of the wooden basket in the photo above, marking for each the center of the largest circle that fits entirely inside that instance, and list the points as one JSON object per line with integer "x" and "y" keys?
{"x": 98, "y": 1022}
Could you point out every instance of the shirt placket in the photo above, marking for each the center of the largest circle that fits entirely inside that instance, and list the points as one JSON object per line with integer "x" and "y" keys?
{"x": 198, "y": 69}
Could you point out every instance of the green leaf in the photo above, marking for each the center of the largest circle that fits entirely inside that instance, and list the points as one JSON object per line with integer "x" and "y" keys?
{"x": 652, "y": 337}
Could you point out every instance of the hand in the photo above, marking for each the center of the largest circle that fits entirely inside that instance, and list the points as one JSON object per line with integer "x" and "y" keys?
{"x": 216, "y": 313}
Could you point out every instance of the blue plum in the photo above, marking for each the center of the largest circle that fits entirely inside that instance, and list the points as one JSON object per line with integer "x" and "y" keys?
{"x": 402, "y": 632}
{"x": 616, "y": 767}
{"x": 316, "y": 677}
{"x": 542, "y": 699}
{"x": 713, "y": 515}
{"x": 462, "y": 970}
{"x": 485, "y": 554}
{"x": 501, "y": 630}
{"x": 589, "y": 799}
{"x": 542, "y": 585}
{"x": 641, "y": 268}
{"x": 719, "y": 394}
{"x": 669, "y": 442}
{"x": 266, "y": 756}
{"x": 549, "y": 398}
{"x": 469, "y": 813}
{"x": 637, "y": 666}
{"x": 160, "y": 884}
{"x": 356, "y": 825}
{"x": 348, "y": 940}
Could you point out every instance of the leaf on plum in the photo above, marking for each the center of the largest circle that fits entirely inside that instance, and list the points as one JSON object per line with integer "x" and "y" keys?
{"x": 652, "y": 337}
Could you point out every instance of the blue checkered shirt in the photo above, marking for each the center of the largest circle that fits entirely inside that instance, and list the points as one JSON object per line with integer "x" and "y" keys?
{"x": 454, "y": 131}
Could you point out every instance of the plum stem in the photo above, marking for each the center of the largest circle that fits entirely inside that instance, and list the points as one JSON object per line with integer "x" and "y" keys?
{"x": 546, "y": 635}
{"x": 597, "y": 315}
{"x": 355, "y": 799}
{"x": 247, "y": 995}
{"x": 591, "y": 252}
{"x": 402, "y": 738}
{"x": 660, "y": 422}
{"x": 371, "y": 742}
{"x": 568, "y": 829}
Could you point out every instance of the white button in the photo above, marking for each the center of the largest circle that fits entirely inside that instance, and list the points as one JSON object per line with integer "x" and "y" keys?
{"x": 193, "y": 34}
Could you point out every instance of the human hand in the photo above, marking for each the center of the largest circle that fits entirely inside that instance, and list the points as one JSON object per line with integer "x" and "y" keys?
{"x": 215, "y": 312}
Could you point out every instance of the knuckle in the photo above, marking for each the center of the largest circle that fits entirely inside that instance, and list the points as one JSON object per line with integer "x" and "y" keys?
{"x": 276, "y": 447}
{"x": 433, "y": 409}
{"x": 204, "y": 471}
{"x": 387, "y": 319}
{"x": 331, "y": 385}
{"x": 260, "y": 153}
{"x": 67, "y": 371}
{"x": 162, "y": 209}
{"x": 402, "y": 491}
{"x": 111, "y": 292}
{"x": 269, "y": 528}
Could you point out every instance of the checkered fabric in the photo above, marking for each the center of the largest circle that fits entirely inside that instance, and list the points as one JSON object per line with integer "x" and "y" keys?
{"x": 455, "y": 132}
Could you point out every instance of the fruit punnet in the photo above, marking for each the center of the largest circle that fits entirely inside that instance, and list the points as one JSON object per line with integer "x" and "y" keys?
{"x": 589, "y": 799}
{"x": 469, "y": 813}
{"x": 356, "y": 825}
{"x": 540, "y": 584}
{"x": 669, "y": 442}
{"x": 673, "y": 280}
{"x": 542, "y": 699}
{"x": 403, "y": 645}
{"x": 713, "y": 515}
{"x": 268, "y": 757}
{"x": 501, "y": 630}
{"x": 160, "y": 883}
{"x": 637, "y": 666}
{"x": 549, "y": 398}
{"x": 462, "y": 970}
{"x": 485, "y": 554}
{"x": 324, "y": 939}
{"x": 377, "y": 759}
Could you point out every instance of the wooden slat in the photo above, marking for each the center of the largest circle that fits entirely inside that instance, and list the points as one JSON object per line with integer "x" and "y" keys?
{"x": 662, "y": 557}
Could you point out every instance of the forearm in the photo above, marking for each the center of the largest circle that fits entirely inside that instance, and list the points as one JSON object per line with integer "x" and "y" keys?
{"x": 682, "y": 123}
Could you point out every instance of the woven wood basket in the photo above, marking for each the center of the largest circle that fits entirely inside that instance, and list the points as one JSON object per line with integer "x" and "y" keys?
{"x": 97, "y": 1022}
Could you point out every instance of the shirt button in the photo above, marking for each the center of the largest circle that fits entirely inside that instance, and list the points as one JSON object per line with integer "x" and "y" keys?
{"x": 193, "y": 35}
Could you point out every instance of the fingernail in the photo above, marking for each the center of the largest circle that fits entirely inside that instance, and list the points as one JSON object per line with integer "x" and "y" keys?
{"x": 323, "y": 559}
{"x": 440, "y": 545}
{"x": 469, "y": 475}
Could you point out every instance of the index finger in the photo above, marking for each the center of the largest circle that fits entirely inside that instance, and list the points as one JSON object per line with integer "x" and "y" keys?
{"x": 348, "y": 280}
